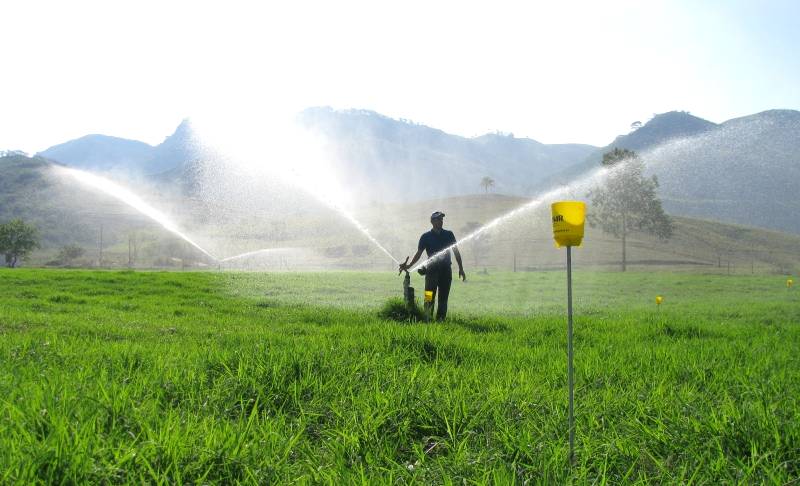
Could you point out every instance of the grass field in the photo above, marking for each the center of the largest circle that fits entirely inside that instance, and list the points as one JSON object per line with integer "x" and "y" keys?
{"x": 291, "y": 377}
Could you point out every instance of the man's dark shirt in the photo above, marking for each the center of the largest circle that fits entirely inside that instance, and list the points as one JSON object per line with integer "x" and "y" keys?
{"x": 433, "y": 243}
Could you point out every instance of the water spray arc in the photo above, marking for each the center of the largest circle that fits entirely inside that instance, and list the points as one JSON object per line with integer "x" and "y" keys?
{"x": 593, "y": 177}
{"x": 292, "y": 155}
{"x": 254, "y": 253}
{"x": 347, "y": 215}
{"x": 126, "y": 196}
{"x": 323, "y": 193}
{"x": 598, "y": 174}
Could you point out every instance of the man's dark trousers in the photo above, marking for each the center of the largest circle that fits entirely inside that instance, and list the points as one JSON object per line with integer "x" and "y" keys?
{"x": 438, "y": 280}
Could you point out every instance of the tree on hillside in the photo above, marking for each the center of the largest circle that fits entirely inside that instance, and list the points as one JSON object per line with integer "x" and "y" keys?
{"x": 70, "y": 253}
{"x": 487, "y": 183}
{"x": 627, "y": 200}
{"x": 17, "y": 240}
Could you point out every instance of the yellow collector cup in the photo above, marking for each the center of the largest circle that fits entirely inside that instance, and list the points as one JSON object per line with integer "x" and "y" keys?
{"x": 568, "y": 221}
{"x": 429, "y": 296}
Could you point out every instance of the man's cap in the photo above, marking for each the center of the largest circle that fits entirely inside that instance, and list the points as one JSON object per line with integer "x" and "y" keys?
{"x": 437, "y": 214}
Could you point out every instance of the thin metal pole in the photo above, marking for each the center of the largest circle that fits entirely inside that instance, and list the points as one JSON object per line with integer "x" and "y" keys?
{"x": 569, "y": 358}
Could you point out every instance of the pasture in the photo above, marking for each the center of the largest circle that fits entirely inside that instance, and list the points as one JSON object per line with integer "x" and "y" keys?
{"x": 220, "y": 377}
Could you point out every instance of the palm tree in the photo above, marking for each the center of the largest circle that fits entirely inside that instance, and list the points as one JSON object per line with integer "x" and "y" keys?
{"x": 487, "y": 183}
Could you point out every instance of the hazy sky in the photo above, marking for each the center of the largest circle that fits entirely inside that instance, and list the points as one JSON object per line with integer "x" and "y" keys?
{"x": 554, "y": 71}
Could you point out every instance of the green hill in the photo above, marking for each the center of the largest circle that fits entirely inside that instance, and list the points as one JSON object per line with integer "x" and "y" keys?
{"x": 742, "y": 171}
{"x": 527, "y": 239}
{"x": 312, "y": 236}
{"x": 28, "y": 192}
{"x": 113, "y": 154}
{"x": 66, "y": 212}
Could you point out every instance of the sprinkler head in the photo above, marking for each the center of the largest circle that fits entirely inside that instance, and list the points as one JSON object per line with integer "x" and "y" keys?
{"x": 403, "y": 267}
{"x": 659, "y": 299}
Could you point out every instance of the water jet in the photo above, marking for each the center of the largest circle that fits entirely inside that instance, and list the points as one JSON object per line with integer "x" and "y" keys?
{"x": 131, "y": 199}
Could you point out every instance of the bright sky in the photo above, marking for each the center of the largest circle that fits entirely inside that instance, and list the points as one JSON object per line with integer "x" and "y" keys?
{"x": 557, "y": 72}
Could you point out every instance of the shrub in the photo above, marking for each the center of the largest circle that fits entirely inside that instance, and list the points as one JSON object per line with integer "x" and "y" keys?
{"x": 395, "y": 309}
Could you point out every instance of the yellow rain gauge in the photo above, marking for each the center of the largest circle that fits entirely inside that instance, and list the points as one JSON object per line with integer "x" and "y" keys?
{"x": 429, "y": 304}
{"x": 568, "y": 220}
{"x": 659, "y": 300}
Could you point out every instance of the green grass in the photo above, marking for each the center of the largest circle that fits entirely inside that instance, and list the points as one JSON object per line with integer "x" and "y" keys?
{"x": 261, "y": 378}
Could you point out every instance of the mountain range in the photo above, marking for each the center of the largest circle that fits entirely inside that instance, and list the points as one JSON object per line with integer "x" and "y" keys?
{"x": 373, "y": 150}
{"x": 103, "y": 153}
{"x": 376, "y": 152}
{"x": 744, "y": 170}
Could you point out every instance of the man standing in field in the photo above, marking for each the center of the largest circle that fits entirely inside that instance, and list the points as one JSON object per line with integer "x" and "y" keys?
{"x": 438, "y": 272}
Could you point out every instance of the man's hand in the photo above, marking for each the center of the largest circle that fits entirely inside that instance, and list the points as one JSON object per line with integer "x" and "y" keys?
{"x": 404, "y": 266}
{"x": 461, "y": 273}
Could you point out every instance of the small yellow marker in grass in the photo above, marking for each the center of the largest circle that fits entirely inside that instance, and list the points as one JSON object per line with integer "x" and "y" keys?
{"x": 659, "y": 299}
{"x": 428, "y": 307}
{"x": 789, "y": 283}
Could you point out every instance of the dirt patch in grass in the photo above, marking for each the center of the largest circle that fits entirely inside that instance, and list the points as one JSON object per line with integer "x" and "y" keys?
{"x": 479, "y": 325}
{"x": 684, "y": 331}
{"x": 430, "y": 351}
{"x": 66, "y": 299}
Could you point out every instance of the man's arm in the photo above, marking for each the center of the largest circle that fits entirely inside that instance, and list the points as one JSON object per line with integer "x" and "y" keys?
{"x": 406, "y": 266}
{"x": 460, "y": 265}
